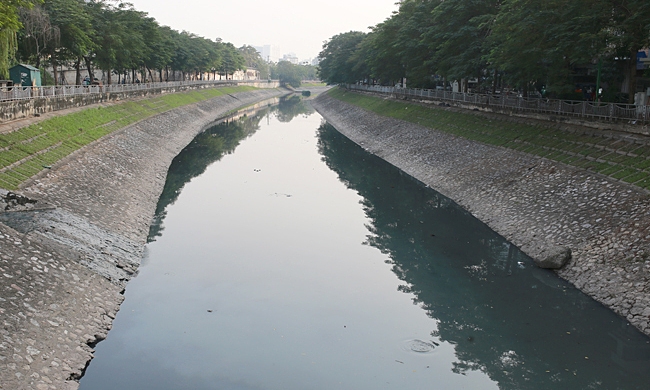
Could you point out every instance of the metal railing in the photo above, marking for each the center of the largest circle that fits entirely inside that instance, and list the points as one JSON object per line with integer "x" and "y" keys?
{"x": 21, "y": 93}
{"x": 584, "y": 109}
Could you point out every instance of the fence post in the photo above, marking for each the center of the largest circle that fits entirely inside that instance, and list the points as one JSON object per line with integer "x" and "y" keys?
{"x": 611, "y": 111}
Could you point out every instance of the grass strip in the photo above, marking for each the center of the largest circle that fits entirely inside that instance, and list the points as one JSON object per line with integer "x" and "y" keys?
{"x": 74, "y": 131}
{"x": 562, "y": 146}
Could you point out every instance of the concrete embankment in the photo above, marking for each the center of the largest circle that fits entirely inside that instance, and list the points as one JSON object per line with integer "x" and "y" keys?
{"x": 539, "y": 205}
{"x": 65, "y": 260}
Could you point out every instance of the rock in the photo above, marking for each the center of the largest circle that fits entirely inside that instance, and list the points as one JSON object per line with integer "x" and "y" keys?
{"x": 553, "y": 258}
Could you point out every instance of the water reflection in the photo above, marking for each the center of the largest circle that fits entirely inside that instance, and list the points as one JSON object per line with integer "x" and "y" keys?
{"x": 214, "y": 143}
{"x": 521, "y": 325}
{"x": 260, "y": 282}
{"x": 291, "y": 107}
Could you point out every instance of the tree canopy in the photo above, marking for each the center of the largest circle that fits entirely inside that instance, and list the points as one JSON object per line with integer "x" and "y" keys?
{"x": 111, "y": 36}
{"x": 253, "y": 59}
{"x": 9, "y": 26}
{"x": 292, "y": 74}
{"x": 548, "y": 45}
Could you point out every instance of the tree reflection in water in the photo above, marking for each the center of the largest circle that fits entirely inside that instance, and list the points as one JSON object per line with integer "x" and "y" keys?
{"x": 214, "y": 143}
{"x": 522, "y": 326}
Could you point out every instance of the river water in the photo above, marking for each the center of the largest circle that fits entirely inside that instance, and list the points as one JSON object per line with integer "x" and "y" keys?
{"x": 283, "y": 256}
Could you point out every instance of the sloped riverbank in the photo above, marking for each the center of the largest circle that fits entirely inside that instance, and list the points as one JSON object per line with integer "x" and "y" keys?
{"x": 537, "y": 204}
{"x": 91, "y": 218}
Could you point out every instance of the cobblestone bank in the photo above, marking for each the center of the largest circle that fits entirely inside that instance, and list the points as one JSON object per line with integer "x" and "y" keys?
{"x": 535, "y": 203}
{"x": 64, "y": 260}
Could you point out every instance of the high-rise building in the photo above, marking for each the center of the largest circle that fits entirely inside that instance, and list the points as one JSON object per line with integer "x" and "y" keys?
{"x": 269, "y": 53}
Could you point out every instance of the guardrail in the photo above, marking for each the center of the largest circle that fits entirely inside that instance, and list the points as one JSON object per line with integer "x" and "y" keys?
{"x": 21, "y": 93}
{"x": 585, "y": 109}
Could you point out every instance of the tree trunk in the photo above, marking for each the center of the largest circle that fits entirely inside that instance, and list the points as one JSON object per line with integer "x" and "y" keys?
{"x": 525, "y": 92}
{"x": 91, "y": 74}
{"x": 494, "y": 82}
{"x": 77, "y": 67}
{"x": 108, "y": 78}
{"x": 631, "y": 87}
{"x": 55, "y": 73}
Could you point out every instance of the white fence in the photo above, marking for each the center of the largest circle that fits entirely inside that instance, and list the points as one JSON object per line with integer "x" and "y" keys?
{"x": 586, "y": 109}
{"x": 19, "y": 93}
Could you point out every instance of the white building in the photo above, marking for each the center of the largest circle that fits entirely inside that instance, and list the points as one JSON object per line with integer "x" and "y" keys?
{"x": 291, "y": 57}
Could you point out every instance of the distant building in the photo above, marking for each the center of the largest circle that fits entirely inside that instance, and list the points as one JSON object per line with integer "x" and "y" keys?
{"x": 269, "y": 53}
{"x": 291, "y": 57}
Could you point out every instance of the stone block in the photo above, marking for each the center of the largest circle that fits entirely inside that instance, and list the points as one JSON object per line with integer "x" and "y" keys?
{"x": 553, "y": 258}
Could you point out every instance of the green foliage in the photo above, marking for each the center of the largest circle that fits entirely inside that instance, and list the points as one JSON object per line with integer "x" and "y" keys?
{"x": 233, "y": 60}
{"x": 26, "y": 152}
{"x": 337, "y": 61}
{"x": 291, "y": 74}
{"x": 9, "y": 25}
{"x": 73, "y": 23}
{"x": 307, "y": 85}
{"x": 550, "y": 45}
{"x": 627, "y": 161}
{"x": 287, "y": 73}
{"x": 291, "y": 107}
{"x": 253, "y": 59}
{"x": 115, "y": 37}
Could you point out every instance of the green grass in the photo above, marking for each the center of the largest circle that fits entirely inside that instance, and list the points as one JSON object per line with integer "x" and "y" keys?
{"x": 307, "y": 85}
{"x": 44, "y": 143}
{"x": 579, "y": 150}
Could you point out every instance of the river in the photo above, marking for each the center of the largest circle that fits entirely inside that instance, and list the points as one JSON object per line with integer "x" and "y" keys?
{"x": 284, "y": 256}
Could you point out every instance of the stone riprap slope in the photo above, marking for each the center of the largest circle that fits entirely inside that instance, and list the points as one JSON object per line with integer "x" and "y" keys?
{"x": 64, "y": 260}
{"x": 537, "y": 204}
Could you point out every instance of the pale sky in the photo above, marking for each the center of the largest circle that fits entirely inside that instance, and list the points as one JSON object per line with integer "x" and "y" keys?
{"x": 298, "y": 26}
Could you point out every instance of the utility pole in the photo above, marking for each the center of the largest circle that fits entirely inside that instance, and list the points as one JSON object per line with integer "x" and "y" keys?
{"x": 600, "y": 65}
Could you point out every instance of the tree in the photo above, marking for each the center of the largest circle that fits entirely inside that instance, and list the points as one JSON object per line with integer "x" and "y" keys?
{"x": 458, "y": 37}
{"x": 253, "y": 59}
{"x": 385, "y": 62}
{"x": 628, "y": 31}
{"x": 9, "y": 25}
{"x": 543, "y": 42}
{"x": 162, "y": 51}
{"x": 287, "y": 73}
{"x": 37, "y": 35}
{"x": 336, "y": 59}
{"x": 73, "y": 22}
{"x": 414, "y": 53}
{"x": 232, "y": 59}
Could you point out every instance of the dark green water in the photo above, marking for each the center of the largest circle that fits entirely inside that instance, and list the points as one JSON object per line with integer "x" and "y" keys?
{"x": 286, "y": 257}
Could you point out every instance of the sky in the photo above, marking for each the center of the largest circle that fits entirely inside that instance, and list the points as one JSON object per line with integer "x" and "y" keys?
{"x": 295, "y": 26}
